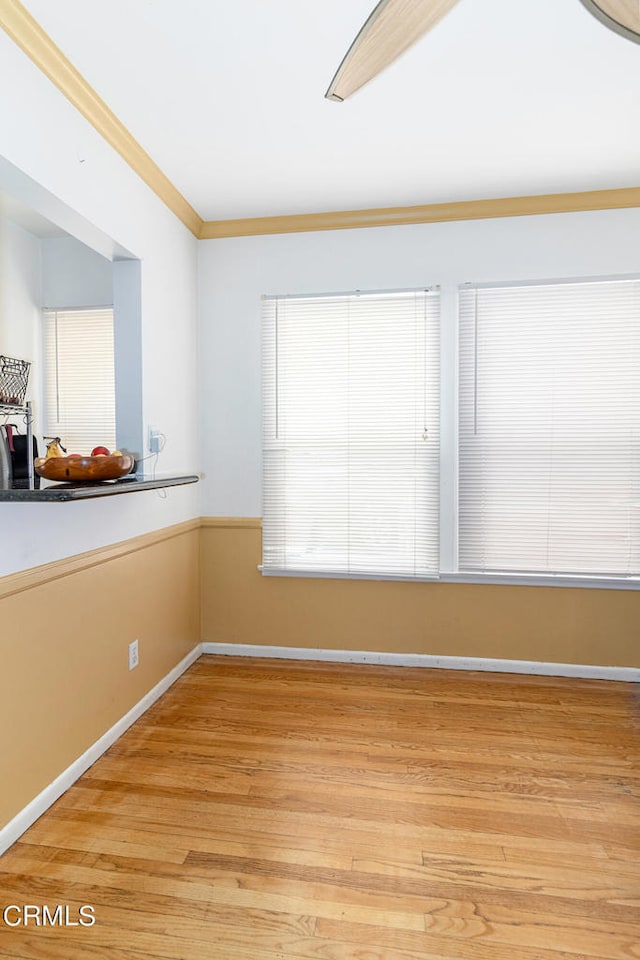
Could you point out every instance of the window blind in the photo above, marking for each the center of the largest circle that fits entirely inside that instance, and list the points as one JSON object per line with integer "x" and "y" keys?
{"x": 79, "y": 382}
{"x": 351, "y": 434}
{"x": 549, "y": 428}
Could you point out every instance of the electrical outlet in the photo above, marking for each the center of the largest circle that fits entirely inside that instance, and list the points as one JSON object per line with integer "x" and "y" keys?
{"x": 133, "y": 654}
{"x": 155, "y": 440}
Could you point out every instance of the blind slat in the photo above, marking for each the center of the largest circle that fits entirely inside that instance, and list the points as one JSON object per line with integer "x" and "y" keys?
{"x": 549, "y": 428}
{"x": 79, "y": 379}
{"x": 351, "y": 434}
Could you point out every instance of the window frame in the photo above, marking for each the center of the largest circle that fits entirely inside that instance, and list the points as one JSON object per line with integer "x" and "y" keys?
{"x": 449, "y": 455}
{"x": 449, "y": 460}
{"x": 50, "y": 314}
{"x": 428, "y": 321}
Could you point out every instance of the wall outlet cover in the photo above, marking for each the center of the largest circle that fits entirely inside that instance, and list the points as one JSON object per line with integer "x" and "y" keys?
{"x": 133, "y": 654}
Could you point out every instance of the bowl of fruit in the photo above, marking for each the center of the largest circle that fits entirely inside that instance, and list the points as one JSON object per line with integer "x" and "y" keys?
{"x": 74, "y": 468}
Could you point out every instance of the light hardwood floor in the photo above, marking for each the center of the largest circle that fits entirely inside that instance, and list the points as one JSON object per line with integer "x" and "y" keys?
{"x": 279, "y": 810}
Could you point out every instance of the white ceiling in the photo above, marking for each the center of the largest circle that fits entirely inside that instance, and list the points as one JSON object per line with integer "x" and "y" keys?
{"x": 502, "y": 98}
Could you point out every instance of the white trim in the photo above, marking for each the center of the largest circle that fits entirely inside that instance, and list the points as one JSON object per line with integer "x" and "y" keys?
{"x": 340, "y": 295}
{"x": 341, "y": 575}
{"x": 431, "y": 661}
{"x": 448, "y": 428}
{"x": 550, "y": 281}
{"x": 586, "y": 582}
{"x": 27, "y": 816}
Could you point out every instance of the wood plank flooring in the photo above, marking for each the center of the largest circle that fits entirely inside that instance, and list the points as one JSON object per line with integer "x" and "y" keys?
{"x": 279, "y": 810}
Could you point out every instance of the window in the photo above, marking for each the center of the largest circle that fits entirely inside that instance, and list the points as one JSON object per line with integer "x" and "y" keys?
{"x": 79, "y": 382}
{"x": 549, "y": 428}
{"x": 351, "y": 434}
{"x": 535, "y": 476}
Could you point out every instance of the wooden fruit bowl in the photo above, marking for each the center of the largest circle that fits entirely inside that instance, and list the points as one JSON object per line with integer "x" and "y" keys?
{"x": 83, "y": 469}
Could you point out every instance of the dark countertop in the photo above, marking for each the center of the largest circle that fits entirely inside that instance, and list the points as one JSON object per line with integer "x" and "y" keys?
{"x": 62, "y": 492}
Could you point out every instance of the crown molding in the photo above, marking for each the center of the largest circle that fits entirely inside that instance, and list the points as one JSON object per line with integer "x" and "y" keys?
{"x": 27, "y": 33}
{"x": 430, "y": 213}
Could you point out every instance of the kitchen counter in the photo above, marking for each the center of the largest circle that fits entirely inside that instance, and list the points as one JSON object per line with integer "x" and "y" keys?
{"x": 62, "y": 492}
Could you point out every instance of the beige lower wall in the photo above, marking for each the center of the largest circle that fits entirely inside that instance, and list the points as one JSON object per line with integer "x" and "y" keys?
{"x": 65, "y": 629}
{"x": 64, "y": 635}
{"x": 558, "y": 624}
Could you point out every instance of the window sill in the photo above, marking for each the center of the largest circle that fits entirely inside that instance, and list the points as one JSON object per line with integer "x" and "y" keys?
{"x": 506, "y": 579}
{"x": 590, "y": 582}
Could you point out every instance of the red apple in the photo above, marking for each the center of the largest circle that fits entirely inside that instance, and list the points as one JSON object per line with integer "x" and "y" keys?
{"x": 99, "y": 452}
{"x": 74, "y": 456}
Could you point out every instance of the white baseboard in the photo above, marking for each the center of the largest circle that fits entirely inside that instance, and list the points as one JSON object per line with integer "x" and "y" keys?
{"x": 628, "y": 674}
{"x": 23, "y": 820}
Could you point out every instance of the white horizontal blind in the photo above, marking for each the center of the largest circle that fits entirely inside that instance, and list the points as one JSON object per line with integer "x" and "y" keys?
{"x": 79, "y": 381}
{"x": 549, "y": 428}
{"x": 351, "y": 434}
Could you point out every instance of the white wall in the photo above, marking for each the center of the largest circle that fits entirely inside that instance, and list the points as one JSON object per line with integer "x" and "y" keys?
{"x": 89, "y": 176}
{"x": 20, "y": 302}
{"x": 73, "y": 275}
{"x": 234, "y": 273}
{"x": 19, "y": 291}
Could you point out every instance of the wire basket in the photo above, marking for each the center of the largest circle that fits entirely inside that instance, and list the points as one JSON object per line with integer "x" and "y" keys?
{"x": 14, "y": 377}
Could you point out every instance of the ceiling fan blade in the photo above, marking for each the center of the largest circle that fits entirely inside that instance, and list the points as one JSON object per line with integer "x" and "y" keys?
{"x": 623, "y": 16}
{"x": 392, "y": 27}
